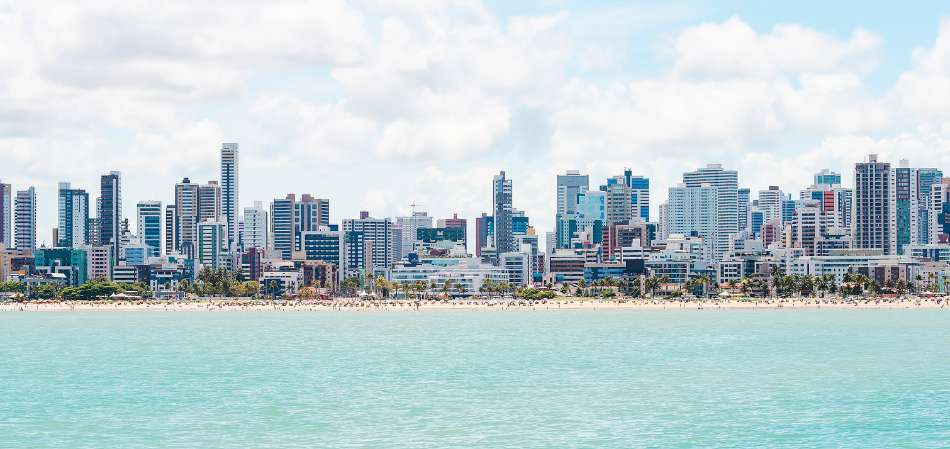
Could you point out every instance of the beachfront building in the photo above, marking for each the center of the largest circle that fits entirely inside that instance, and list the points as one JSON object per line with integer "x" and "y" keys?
{"x": 281, "y": 281}
{"x": 904, "y": 207}
{"x": 73, "y": 220}
{"x": 727, "y": 202}
{"x": 871, "y": 225}
{"x": 518, "y": 267}
{"x": 25, "y": 220}
{"x": 67, "y": 262}
{"x": 254, "y": 233}
{"x": 110, "y": 212}
{"x": 938, "y": 252}
{"x": 212, "y": 244}
{"x": 99, "y": 261}
{"x": 873, "y": 263}
{"x": 927, "y": 178}
{"x": 325, "y": 244}
{"x": 466, "y": 277}
{"x": 6, "y": 216}
{"x": 369, "y": 242}
{"x": 230, "y": 155}
{"x": 149, "y": 226}
{"x": 503, "y": 237}
{"x": 693, "y": 211}
{"x": 409, "y": 227}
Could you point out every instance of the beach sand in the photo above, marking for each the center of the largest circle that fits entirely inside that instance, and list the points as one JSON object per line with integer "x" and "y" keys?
{"x": 567, "y": 303}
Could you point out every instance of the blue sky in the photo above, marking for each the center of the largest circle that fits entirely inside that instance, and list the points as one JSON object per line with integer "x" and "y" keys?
{"x": 378, "y": 103}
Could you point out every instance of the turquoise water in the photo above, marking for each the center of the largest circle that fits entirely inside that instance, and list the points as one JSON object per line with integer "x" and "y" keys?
{"x": 492, "y": 379}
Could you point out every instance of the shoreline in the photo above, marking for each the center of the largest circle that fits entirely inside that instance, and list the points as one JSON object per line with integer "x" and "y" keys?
{"x": 354, "y": 304}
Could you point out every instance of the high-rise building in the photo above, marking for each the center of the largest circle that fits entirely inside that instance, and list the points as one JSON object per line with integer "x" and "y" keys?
{"x": 110, "y": 212}
{"x": 25, "y": 220}
{"x": 230, "y": 190}
{"x": 771, "y": 203}
{"x": 310, "y": 214}
{"x": 905, "y": 211}
{"x": 691, "y": 211}
{"x": 483, "y": 225}
{"x": 727, "y": 201}
{"x": 209, "y": 202}
{"x": 212, "y": 244}
{"x": 73, "y": 229}
{"x": 639, "y": 194}
{"x": 6, "y": 215}
{"x": 254, "y": 234}
{"x": 171, "y": 229}
{"x": 186, "y": 216}
{"x": 744, "y": 197}
{"x": 282, "y": 225}
{"x": 375, "y": 236}
{"x": 410, "y": 225}
{"x": 149, "y": 226}
{"x": 569, "y": 185}
{"x": 502, "y": 205}
{"x": 926, "y": 179}
{"x": 827, "y": 178}
{"x": 871, "y": 225}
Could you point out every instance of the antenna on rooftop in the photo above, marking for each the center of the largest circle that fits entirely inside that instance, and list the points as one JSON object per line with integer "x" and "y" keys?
{"x": 414, "y": 205}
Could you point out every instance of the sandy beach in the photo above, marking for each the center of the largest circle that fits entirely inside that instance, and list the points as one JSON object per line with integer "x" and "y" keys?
{"x": 355, "y": 305}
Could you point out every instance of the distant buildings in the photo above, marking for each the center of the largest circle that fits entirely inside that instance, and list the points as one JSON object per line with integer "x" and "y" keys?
{"x": 110, "y": 212}
{"x": 25, "y": 220}
{"x": 6, "y": 216}
{"x": 501, "y": 201}
{"x": 149, "y": 226}
{"x": 230, "y": 191}
{"x": 872, "y": 206}
{"x": 73, "y": 229}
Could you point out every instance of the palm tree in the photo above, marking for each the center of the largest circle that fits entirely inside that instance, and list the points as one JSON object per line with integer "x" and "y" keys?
{"x": 446, "y": 287}
{"x": 651, "y": 284}
{"x": 460, "y": 288}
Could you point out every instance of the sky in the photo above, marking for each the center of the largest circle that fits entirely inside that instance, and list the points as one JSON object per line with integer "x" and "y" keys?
{"x": 378, "y": 104}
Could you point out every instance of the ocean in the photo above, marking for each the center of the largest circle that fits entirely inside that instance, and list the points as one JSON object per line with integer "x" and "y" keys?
{"x": 476, "y": 379}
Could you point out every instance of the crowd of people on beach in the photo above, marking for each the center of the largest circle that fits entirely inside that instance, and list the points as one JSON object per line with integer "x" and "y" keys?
{"x": 359, "y": 304}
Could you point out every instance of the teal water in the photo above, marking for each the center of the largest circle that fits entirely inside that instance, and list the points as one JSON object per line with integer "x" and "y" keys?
{"x": 493, "y": 379}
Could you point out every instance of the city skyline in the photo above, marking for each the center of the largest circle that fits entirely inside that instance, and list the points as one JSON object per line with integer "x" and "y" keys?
{"x": 654, "y": 90}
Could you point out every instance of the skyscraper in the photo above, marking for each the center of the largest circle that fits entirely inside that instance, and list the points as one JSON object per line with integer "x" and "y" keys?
{"x": 502, "y": 205}
{"x": 410, "y": 225}
{"x": 827, "y": 178}
{"x": 727, "y": 201}
{"x": 871, "y": 225}
{"x": 186, "y": 216}
{"x": 639, "y": 194}
{"x": 73, "y": 220}
{"x": 374, "y": 236}
{"x": 255, "y": 227}
{"x": 229, "y": 191}
{"x": 282, "y": 225}
{"x": 569, "y": 185}
{"x": 905, "y": 211}
{"x": 926, "y": 179}
{"x": 771, "y": 203}
{"x": 691, "y": 211}
{"x": 482, "y": 227}
{"x": 171, "y": 229}
{"x": 25, "y": 220}
{"x": 6, "y": 215}
{"x": 110, "y": 212}
{"x": 310, "y": 213}
{"x": 743, "y": 216}
{"x": 149, "y": 226}
{"x": 209, "y": 202}
{"x": 212, "y": 238}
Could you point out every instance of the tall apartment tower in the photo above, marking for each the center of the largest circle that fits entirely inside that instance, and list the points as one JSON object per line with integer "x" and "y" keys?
{"x": 409, "y": 226}
{"x": 149, "y": 226}
{"x": 501, "y": 201}
{"x": 282, "y": 225}
{"x": 726, "y": 183}
{"x": 110, "y": 212}
{"x": 171, "y": 229}
{"x": 310, "y": 213}
{"x": 6, "y": 215}
{"x": 569, "y": 185}
{"x": 374, "y": 236}
{"x": 639, "y": 194}
{"x": 693, "y": 211}
{"x": 904, "y": 206}
{"x": 25, "y": 220}
{"x": 926, "y": 179}
{"x": 871, "y": 225}
{"x": 255, "y": 227}
{"x": 186, "y": 216}
{"x": 73, "y": 223}
{"x": 743, "y": 210}
{"x": 229, "y": 191}
{"x": 209, "y": 202}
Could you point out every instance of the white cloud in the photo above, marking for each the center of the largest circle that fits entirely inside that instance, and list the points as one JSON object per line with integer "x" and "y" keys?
{"x": 734, "y": 48}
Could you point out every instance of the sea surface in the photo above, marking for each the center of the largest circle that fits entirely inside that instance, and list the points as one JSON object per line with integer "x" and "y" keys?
{"x": 476, "y": 379}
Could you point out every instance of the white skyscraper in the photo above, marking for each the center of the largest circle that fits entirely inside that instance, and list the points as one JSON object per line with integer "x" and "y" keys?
{"x": 409, "y": 225}
{"x": 255, "y": 226}
{"x": 229, "y": 191}
{"x": 6, "y": 215}
{"x": 25, "y": 220}
{"x": 692, "y": 211}
{"x": 726, "y": 183}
